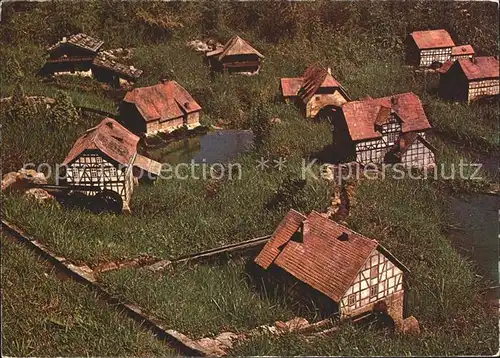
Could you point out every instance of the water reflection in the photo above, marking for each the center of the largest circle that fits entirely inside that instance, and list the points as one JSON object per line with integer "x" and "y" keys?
{"x": 214, "y": 147}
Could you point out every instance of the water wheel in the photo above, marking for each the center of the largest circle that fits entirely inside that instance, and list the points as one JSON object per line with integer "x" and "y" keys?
{"x": 108, "y": 201}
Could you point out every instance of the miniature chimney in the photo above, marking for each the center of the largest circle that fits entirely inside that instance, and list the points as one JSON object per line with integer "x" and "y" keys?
{"x": 164, "y": 80}
{"x": 394, "y": 101}
{"x": 329, "y": 70}
{"x": 64, "y": 39}
{"x": 305, "y": 229}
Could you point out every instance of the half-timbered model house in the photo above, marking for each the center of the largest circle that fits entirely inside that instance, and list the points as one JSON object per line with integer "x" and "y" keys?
{"x": 103, "y": 159}
{"x": 426, "y": 48}
{"x": 237, "y": 56}
{"x": 315, "y": 91}
{"x": 73, "y": 54}
{"x": 160, "y": 108}
{"x": 462, "y": 51}
{"x": 106, "y": 69}
{"x": 466, "y": 80}
{"x": 355, "y": 274}
{"x": 378, "y": 131}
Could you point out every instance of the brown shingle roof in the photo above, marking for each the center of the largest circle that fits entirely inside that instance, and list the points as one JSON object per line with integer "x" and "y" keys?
{"x": 109, "y": 137}
{"x": 237, "y": 46}
{"x": 163, "y": 101}
{"x": 322, "y": 259}
{"x": 462, "y": 50}
{"x": 361, "y": 116}
{"x": 101, "y": 60}
{"x": 315, "y": 76}
{"x": 432, "y": 39}
{"x": 81, "y": 40}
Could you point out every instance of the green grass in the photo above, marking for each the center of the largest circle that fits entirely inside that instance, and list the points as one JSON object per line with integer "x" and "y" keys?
{"x": 203, "y": 300}
{"x": 354, "y": 340}
{"x": 475, "y": 125}
{"x": 171, "y": 218}
{"x": 363, "y": 44}
{"x": 408, "y": 218}
{"x": 47, "y": 315}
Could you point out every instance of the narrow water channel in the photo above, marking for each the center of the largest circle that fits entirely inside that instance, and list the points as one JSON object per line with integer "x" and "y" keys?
{"x": 476, "y": 237}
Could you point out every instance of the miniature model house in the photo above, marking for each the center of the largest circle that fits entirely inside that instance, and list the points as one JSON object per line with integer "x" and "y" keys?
{"x": 424, "y": 48}
{"x": 463, "y": 51}
{"x": 315, "y": 90}
{"x": 160, "y": 108}
{"x": 81, "y": 55}
{"x": 356, "y": 273}
{"x": 104, "y": 158}
{"x": 237, "y": 56}
{"x": 106, "y": 69}
{"x": 383, "y": 130}
{"x": 72, "y": 55}
{"x": 466, "y": 80}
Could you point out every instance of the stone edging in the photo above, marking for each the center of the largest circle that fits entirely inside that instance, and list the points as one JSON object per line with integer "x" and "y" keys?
{"x": 85, "y": 275}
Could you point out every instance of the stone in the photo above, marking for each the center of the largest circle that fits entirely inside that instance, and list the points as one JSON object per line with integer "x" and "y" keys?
{"x": 275, "y": 120}
{"x": 280, "y": 325}
{"x": 410, "y": 326}
{"x": 226, "y": 339}
{"x": 199, "y": 46}
{"x": 21, "y": 179}
{"x": 211, "y": 346}
{"x": 295, "y": 324}
{"x": 160, "y": 265}
{"x": 39, "y": 195}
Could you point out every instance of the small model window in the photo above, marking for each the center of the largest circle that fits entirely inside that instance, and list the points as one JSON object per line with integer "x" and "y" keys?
{"x": 374, "y": 272}
{"x": 351, "y": 299}
{"x": 373, "y": 290}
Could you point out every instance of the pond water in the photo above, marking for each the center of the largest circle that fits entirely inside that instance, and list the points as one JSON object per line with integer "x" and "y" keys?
{"x": 476, "y": 237}
{"x": 220, "y": 146}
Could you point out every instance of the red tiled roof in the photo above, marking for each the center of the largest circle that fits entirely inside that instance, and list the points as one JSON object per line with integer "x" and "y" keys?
{"x": 462, "y": 50}
{"x": 315, "y": 76}
{"x": 163, "y": 101}
{"x": 109, "y": 137}
{"x": 321, "y": 259}
{"x": 432, "y": 39}
{"x": 237, "y": 46}
{"x": 478, "y": 68}
{"x": 446, "y": 66}
{"x": 361, "y": 116}
{"x": 290, "y": 223}
{"x": 291, "y": 86}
